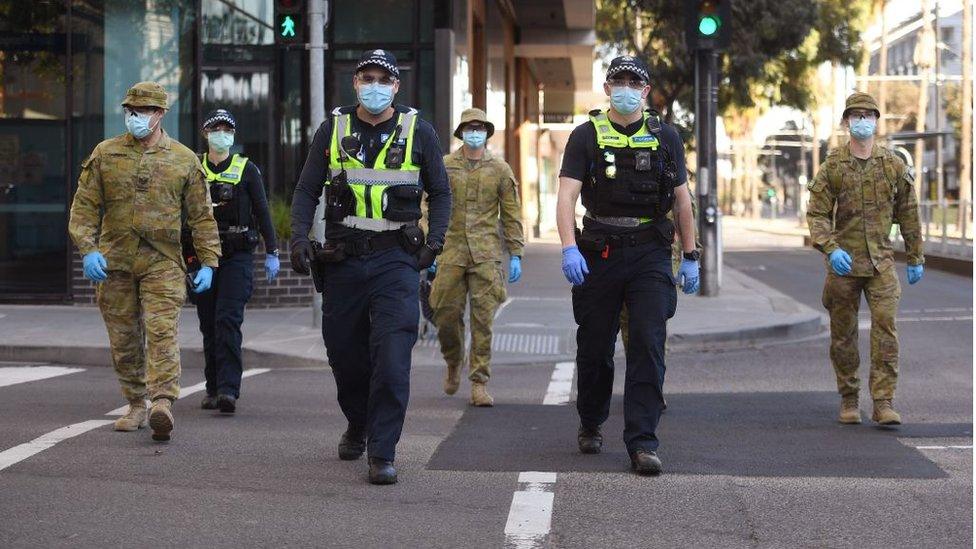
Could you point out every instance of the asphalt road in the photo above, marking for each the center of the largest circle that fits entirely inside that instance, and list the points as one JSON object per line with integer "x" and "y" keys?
{"x": 752, "y": 454}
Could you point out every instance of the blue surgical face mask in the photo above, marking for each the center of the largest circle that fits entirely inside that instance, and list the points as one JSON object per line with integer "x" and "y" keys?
{"x": 862, "y": 128}
{"x": 220, "y": 141}
{"x": 626, "y": 100}
{"x": 474, "y": 139}
{"x": 138, "y": 124}
{"x": 375, "y": 97}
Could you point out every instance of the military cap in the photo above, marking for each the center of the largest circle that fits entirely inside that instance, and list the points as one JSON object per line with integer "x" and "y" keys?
{"x": 861, "y": 100}
{"x": 474, "y": 115}
{"x": 146, "y": 94}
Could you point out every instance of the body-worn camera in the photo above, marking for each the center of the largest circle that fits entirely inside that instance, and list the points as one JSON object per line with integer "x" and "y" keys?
{"x": 221, "y": 192}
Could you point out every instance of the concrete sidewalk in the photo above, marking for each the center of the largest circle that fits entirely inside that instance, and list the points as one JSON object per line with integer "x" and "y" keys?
{"x": 534, "y": 325}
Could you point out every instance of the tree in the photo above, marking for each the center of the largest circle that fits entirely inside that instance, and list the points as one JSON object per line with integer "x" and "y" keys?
{"x": 776, "y": 47}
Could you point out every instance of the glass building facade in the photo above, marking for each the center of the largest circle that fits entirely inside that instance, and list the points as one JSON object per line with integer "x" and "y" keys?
{"x": 65, "y": 66}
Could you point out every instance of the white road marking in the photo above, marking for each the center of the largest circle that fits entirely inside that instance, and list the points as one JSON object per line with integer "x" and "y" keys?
{"x": 530, "y": 515}
{"x": 561, "y": 384}
{"x": 501, "y": 307}
{"x": 187, "y": 391}
{"x": 45, "y": 441}
{"x": 13, "y": 375}
{"x": 970, "y": 447}
{"x": 865, "y": 323}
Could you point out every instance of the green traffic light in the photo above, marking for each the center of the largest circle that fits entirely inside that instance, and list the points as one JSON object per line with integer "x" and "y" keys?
{"x": 288, "y": 27}
{"x": 708, "y": 25}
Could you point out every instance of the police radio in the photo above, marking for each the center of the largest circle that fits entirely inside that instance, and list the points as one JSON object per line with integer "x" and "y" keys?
{"x": 338, "y": 195}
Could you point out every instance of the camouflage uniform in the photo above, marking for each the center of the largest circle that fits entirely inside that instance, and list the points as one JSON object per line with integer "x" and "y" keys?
{"x": 868, "y": 197}
{"x": 471, "y": 260}
{"x": 128, "y": 206}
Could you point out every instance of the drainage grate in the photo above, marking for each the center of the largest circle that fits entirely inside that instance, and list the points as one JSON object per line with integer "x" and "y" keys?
{"x": 527, "y": 344}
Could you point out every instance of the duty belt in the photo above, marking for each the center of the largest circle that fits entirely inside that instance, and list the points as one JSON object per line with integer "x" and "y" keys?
{"x": 363, "y": 245}
{"x": 617, "y": 221}
{"x": 605, "y": 243}
{"x": 370, "y": 224}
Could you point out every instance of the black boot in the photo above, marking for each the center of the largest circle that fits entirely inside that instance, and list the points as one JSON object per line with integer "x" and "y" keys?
{"x": 352, "y": 444}
{"x": 590, "y": 440}
{"x": 209, "y": 402}
{"x": 645, "y": 462}
{"x": 381, "y": 471}
{"x": 227, "y": 404}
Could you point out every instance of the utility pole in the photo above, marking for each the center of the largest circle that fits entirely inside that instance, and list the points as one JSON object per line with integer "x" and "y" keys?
{"x": 923, "y": 52}
{"x": 706, "y": 110}
{"x": 316, "y": 98}
{"x": 883, "y": 69}
{"x": 939, "y": 177}
{"x": 966, "y": 146}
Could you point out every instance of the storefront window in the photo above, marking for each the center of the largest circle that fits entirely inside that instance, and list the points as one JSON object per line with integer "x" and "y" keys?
{"x": 33, "y": 141}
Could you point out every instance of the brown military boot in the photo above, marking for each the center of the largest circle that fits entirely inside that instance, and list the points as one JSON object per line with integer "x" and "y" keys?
{"x": 134, "y": 418}
{"x": 480, "y": 396}
{"x": 161, "y": 419}
{"x": 452, "y": 379}
{"x": 885, "y": 414}
{"x": 850, "y": 413}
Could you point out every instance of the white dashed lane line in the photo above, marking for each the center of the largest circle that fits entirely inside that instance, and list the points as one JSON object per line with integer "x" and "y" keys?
{"x": 12, "y": 375}
{"x": 530, "y": 515}
{"x": 192, "y": 389}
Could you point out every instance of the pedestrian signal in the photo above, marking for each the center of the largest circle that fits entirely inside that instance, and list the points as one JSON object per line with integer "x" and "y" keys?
{"x": 288, "y": 22}
{"x": 707, "y": 24}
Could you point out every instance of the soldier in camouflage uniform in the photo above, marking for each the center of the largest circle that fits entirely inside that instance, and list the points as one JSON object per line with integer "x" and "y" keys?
{"x": 484, "y": 188}
{"x": 859, "y": 192}
{"x": 125, "y": 220}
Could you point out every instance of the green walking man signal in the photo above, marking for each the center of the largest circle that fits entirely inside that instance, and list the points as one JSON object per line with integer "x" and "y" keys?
{"x": 287, "y": 27}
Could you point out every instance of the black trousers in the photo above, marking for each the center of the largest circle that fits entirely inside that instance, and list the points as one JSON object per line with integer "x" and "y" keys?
{"x": 370, "y": 316}
{"x": 221, "y": 313}
{"x": 640, "y": 277}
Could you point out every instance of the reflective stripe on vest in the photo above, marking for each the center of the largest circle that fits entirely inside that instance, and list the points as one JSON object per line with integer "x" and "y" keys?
{"x": 373, "y": 181}
{"x": 232, "y": 175}
{"x": 607, "y": 136}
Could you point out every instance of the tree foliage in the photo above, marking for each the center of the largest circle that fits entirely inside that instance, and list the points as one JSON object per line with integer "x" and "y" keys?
{"x": 776, "y": 46}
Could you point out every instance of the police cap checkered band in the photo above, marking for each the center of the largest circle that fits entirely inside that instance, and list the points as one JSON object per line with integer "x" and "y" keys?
{"x": 219, "y": 116}
{"x": 379, "y": 58}
{"x": 631, "y": 64}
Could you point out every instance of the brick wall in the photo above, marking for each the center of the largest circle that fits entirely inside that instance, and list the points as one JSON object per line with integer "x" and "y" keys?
{"x": 290, "y": 289}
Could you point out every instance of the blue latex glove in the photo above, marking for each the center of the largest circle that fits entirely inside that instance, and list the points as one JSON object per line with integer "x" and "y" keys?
{"x": 574, "y": 266}
{"x": 688, "y": 276}
{"x": 94, "y": 266}
{"x": 840, "y": 262}
{"x": 514, "y": 269}
{"x": 271, "y": 266}
{"x": 915, "y": 273}
{"x": 201, "y": 283}
{"x": 432, "y": 270}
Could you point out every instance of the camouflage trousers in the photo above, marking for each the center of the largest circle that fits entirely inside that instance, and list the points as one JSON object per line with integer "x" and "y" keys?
{"x": 449, "y": 293}
{"x": 141, "y": 309}
{"x": 842, "y": 299}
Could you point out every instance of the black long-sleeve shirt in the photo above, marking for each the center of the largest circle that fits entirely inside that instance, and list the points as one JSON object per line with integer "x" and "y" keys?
{"x": 253, "y": 202}
{"x": 426, "y": 153}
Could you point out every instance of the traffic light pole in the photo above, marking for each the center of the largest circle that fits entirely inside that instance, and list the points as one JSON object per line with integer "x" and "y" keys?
{"x": 316, "y": 99}
{"x": 709, "y": 222}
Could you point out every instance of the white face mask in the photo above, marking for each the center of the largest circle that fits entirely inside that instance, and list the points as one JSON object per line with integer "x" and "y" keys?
{"x": 139, "y": 124}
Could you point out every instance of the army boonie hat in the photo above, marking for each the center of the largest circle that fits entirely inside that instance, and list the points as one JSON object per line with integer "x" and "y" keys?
{"x": 146, "y": 94}
{"x": 474, "y": 115}
{"x": 861, "y": 100}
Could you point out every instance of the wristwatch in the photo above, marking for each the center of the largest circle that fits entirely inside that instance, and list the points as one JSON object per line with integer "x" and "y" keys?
{"x": 693, "y": 255}
{"x": 273, "y": 252}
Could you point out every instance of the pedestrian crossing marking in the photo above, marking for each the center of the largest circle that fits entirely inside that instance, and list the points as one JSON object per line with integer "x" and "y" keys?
{"x": 12, "y": 375}
{"x": 527, "y": 344}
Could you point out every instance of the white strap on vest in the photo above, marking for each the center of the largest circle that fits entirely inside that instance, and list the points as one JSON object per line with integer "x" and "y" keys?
{"x": 370, "y": 224}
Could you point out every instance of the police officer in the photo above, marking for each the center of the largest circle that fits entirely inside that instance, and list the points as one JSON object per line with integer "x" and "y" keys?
{"x": 630, "y": 169}
{"x": 125, "y": 220}
{"x": 240, "y": 206}
{"x": 859, "y": 192}
{"x": 375, "y": 160}
{"x": 484, "y": 190}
